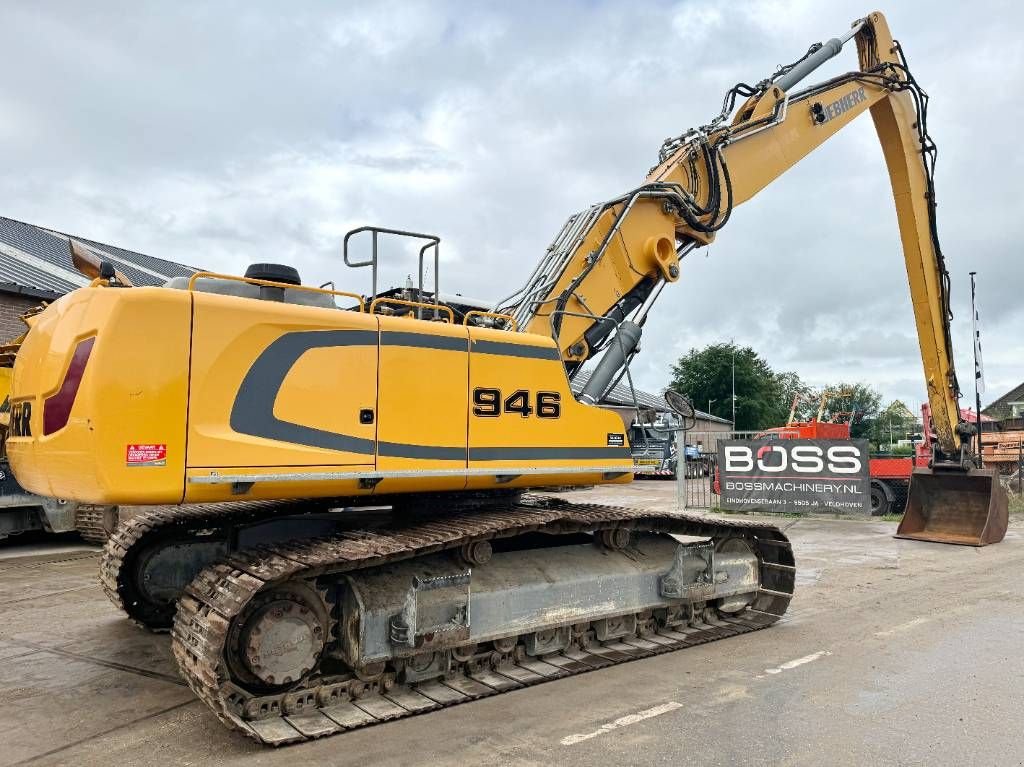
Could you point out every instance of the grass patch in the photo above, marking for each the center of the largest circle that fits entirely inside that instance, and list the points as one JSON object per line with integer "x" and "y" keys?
{"x": 1016, "y": 504}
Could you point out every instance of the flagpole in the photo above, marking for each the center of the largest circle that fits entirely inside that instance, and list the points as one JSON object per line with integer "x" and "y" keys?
{"x": 977, "y": 392}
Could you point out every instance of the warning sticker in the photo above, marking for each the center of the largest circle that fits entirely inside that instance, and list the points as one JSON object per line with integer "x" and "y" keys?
{"x": 146, "y": 455}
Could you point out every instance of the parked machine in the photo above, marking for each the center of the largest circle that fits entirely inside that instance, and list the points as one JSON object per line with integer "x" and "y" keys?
{"x": 890, "y": 476}
{"x": 275, "y": 420}
{"x": 654, "y": 450}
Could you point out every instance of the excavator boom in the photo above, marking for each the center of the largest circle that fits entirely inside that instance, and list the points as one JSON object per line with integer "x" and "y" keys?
{"x": 606, "y": 268}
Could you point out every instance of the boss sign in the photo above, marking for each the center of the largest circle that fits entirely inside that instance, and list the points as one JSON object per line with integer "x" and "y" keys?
{"x": 795, "y": 475}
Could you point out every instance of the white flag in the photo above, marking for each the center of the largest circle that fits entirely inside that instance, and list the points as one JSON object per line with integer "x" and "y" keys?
{"x": 979, "y": 367}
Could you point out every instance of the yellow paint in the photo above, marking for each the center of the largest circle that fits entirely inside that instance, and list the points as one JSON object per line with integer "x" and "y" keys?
{"x": 134, "y": 390}
{"x": 168, "y": 366}
{"x": 757, "y": 156}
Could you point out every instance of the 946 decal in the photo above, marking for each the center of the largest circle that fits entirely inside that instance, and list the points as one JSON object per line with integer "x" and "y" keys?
{"x": 489, "y": 403}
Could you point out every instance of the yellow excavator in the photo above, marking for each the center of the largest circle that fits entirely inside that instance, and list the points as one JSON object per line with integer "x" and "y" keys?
{"x": 341, "y": 534}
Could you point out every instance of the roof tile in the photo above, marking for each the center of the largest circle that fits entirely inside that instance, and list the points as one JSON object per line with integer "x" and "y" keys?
{"x": 51, "y": 247}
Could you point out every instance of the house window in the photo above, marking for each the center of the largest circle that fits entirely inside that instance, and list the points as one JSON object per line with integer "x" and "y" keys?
{"x": 1016, "y": 409}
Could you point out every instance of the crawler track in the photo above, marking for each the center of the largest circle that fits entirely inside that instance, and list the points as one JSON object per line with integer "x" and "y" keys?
{"x": 163, "y": 523}
{"x": 91, "y": 523}
{"x": 328, "y": 704}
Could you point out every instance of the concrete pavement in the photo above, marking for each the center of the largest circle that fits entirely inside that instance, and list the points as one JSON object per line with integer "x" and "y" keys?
{"x": 893, "y": 652}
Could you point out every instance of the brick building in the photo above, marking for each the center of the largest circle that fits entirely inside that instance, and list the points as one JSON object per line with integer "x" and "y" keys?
{"x": 35, "y": 267}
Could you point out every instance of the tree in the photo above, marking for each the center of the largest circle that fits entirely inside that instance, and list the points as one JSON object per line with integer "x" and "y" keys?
{"x": 858, "y": 400}
{"x": 795, "y": 389}
{"x": 763, "y": 396}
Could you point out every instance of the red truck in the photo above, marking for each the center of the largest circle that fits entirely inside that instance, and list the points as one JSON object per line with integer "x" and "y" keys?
{"x": 890, "y": 475}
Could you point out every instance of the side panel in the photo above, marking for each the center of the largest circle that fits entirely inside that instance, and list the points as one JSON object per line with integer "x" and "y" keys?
{"x": 523, "y": 416}
{"x": 422, "y": 405}
{"x": 279, "y": 389}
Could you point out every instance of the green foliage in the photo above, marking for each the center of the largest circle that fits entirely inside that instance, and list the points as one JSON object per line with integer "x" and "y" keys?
{"x": 857, "y": 399}
{"x": 763, "y": 396}
{"x": 793, "y": 388}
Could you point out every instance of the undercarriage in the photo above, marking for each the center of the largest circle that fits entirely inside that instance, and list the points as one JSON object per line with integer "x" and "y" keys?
{"x": 292, "y": 621}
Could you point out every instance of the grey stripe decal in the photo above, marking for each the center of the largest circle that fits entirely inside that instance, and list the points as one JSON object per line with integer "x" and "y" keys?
{"x": 545, "y": 453}
{"x": 456, "y": 343}
{"x": 253, "y": 410}
{"x": 516, "y": 350}
{"x": 424, "y": 341}
{"x": 399, "y": 450}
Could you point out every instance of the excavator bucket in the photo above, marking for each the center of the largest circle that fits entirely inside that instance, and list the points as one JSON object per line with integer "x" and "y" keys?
{"x": 970, "y": 508}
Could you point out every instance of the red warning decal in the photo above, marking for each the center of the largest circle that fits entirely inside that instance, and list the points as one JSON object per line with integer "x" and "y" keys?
{"x": 146, "y": 455}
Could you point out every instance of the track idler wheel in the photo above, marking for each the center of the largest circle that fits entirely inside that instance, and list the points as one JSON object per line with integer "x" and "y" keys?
{"x": 280, "y": 638}
{"x": 615, "y": 539}
{"x": 475, "y": 553}
{"x": 465, "y": 653}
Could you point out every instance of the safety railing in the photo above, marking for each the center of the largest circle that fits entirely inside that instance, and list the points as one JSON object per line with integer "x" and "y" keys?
{"x": 417, "y": 305}
{"x": 433, "y": 243}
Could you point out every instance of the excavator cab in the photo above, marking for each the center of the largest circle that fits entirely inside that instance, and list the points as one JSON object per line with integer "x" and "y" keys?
{"x": 955, "y": 506}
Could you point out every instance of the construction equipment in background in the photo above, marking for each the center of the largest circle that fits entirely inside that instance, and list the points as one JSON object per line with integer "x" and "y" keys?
{"x": 890, "y": 475}
{"x": 298, "y": 606}
{"x": 655, "y": 454}
{"x": 22, "y": 511}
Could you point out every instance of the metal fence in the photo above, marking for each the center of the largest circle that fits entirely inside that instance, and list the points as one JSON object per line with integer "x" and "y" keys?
{"x": 698, "y": 465}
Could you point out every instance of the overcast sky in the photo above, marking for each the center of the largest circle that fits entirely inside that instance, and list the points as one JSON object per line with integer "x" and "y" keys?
{"x": 218, "y": 134}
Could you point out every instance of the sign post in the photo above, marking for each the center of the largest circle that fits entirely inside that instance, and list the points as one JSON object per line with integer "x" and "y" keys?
{"x": 979, "y": 367}
{"x": 681, "y": 469}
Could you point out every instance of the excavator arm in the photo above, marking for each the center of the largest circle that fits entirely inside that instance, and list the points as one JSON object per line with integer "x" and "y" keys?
{"x": 605, "y": 269}
{"x": 612, "y": 260}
